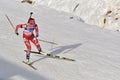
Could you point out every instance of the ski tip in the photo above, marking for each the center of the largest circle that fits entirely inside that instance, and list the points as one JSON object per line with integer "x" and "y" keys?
{"x": 30, "y": 65}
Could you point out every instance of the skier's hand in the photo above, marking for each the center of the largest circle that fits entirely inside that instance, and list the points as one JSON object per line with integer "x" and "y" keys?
{"x": 37, "y": 35}
{"x": 17, "y": 33}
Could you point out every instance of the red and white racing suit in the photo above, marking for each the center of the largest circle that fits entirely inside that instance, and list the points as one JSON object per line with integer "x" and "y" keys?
{"x": 28, "y": 35}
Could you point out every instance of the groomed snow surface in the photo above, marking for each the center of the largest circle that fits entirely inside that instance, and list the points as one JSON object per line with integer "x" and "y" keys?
{"x": 96, "y": 50}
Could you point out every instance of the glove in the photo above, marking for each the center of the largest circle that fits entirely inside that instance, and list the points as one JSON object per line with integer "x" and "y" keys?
{"x": 17, "y": 33}
{"x": 36, "y": 35}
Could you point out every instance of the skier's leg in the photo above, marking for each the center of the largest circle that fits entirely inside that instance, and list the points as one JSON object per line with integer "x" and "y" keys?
{"x": 28, "y": 46}
{"x": 36, "y": 43}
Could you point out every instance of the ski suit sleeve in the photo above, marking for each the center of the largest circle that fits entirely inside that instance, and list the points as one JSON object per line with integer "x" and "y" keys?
{"x": 37, "y": 30}
{"x": 20, "y": 26}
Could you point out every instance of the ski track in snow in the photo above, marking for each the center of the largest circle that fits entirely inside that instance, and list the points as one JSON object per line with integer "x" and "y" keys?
{"x": 95, "y": 50}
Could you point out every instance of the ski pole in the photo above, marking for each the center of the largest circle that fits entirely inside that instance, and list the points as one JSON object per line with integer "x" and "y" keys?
{"x": 10, "y": 21}
{"x": 48, "y": 41}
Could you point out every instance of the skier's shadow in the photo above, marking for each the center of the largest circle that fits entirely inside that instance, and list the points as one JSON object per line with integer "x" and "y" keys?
{"x": 60, "y": 49}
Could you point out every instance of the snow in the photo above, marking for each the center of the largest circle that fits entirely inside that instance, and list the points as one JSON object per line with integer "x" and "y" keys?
{"x": 95, "y": 50}
{"x": 103, "y": 13}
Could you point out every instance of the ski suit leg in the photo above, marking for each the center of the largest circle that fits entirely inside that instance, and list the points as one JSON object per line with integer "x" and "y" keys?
{"x": 28, "y": 46}
{"x": 36, "y": 43}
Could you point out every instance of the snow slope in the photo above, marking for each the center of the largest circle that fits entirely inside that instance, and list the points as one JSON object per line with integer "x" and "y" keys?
{"x": 95, "y": 50}
{"x": 103, "y": 13}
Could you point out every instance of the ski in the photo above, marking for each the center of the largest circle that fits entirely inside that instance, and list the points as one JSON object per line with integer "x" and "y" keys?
{"x": 47, "y": 41}
{"x": 51, "y": 55}
{"x": 30, "y": 65}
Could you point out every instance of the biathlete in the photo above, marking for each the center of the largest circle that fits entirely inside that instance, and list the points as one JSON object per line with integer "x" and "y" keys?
{"x": 29, "y": 36}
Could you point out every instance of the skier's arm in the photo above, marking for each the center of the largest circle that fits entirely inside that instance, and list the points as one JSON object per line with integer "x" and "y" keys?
{"x": 19, "y": 26}
{"x": 36, "y": 30}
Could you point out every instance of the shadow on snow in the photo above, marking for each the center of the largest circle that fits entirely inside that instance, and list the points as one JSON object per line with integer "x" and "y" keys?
{"x": 9, "y": 70}
{"x": 58, "y": 50}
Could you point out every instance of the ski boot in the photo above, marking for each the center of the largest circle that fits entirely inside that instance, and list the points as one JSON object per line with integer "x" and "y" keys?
{"x": 40, "y": 51}
{"x": 28, "y": 58}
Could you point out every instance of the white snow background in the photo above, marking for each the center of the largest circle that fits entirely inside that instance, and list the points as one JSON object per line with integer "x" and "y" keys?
{"x": 96, "y": 50}
{"x": 103, "y": 13}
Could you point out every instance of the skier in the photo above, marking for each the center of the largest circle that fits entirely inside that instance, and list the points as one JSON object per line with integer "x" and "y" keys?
{"x": 28, "y": 35}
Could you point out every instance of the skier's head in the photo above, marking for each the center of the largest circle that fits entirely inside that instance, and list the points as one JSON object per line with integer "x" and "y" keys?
{"x": 31, "y": 21}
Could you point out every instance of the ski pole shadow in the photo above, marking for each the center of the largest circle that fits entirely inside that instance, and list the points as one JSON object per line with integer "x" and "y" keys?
{"x": 38, "y": 59}
{"x": 65, "y": 49}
